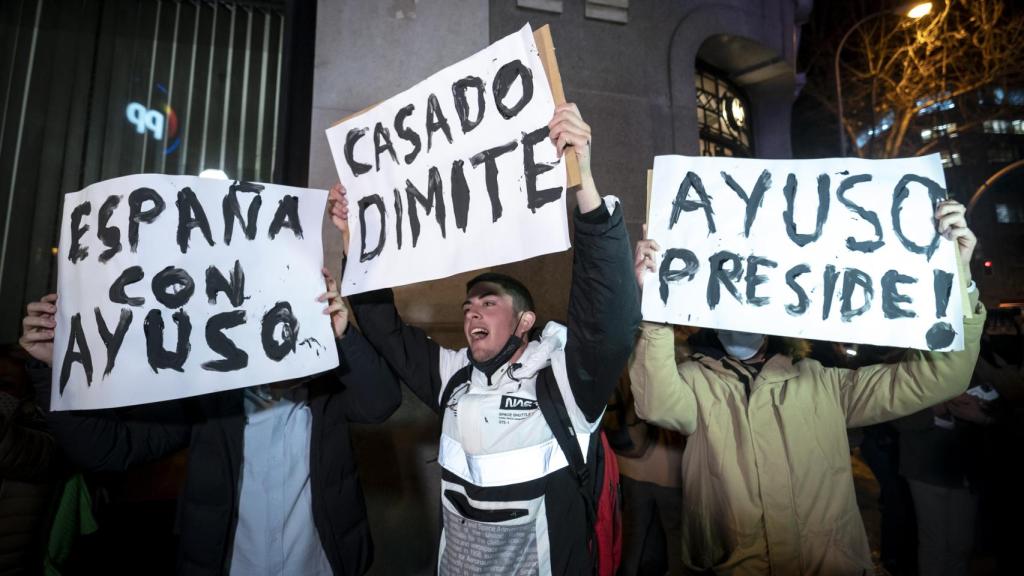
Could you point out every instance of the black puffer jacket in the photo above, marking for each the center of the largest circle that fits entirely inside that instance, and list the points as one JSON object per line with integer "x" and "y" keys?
{"x": 361, "y": 390}
{"x": 28, "y": 465}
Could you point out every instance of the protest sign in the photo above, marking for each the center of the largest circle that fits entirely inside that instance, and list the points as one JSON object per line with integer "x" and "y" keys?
{"x": 454, "y": 174}
{"x": 173, "y": 286}
{"x": 839, "y": 249}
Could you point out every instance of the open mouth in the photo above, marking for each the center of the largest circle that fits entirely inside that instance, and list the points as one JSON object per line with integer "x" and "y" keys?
{"x": 477, "y": 334}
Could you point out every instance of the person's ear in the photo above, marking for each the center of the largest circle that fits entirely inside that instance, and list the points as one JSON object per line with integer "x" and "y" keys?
{"x": 526, "y": 324}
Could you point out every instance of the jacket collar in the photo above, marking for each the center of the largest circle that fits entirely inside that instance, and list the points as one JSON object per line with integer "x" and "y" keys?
{"x": 535, "y": 358}
{"x": 777, "y": 368}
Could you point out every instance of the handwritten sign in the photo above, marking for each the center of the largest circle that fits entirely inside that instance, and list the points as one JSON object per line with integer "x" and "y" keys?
{"x": 836, "y": 249}
{"x": 454, "y": 174}
{"x": 173, "y": 286}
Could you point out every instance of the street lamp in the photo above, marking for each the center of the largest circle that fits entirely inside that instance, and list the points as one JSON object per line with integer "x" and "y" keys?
{"x": 913, "y": 11}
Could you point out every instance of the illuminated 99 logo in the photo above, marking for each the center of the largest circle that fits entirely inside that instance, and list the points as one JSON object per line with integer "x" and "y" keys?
{"x": 145, "y": 119}
{"x": 162, "y": 124}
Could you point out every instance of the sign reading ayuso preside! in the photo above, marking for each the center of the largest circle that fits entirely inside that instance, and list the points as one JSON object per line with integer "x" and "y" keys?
{"x": 172, "y": 286}
{"x": 836, "y": 249}
{"x": 454, "y": 174}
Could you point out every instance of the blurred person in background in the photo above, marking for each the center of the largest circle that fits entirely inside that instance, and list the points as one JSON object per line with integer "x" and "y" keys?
{"x": 28, "y": 470}
{"x": 650, "y": 469}
{"x": 271, "y": 486}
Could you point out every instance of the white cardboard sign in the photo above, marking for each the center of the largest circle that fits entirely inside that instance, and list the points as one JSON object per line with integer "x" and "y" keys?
{"x": 173, "y": 286}
{"x": 839, "y": 249}
{"x": 454, "y": 174}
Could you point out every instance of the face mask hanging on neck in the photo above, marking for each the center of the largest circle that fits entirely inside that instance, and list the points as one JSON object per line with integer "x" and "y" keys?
{"x": 489, "y": 367}
{"x": 741, "y": 345}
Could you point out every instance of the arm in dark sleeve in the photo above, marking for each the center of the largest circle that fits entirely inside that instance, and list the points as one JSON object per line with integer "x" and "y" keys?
{"x": 604, "y": 308}
{"x": 107, "y": 440}
{"x": 414, "y": 357}
{"x": 26, "y": 452}
{"x": 371, "y": 393}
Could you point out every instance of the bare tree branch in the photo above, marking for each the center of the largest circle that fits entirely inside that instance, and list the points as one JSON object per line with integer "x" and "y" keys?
{"x": 903, "y": 68}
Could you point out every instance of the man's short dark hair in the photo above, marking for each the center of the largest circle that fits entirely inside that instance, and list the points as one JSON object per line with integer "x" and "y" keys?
{"x": 522, "y": 300}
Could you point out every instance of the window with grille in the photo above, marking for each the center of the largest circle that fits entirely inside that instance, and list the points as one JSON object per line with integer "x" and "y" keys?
{"x": 722, "y": 115}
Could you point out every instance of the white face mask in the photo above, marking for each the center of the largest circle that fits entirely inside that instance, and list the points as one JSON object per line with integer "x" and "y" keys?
{"x": 741, "y": 345}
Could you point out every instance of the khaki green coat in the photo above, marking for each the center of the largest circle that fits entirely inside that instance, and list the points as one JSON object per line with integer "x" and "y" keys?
{"x": 767, "y": 485}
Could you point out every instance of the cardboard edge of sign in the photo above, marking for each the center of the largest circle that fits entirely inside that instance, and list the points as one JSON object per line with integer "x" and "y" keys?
{"x": 546, "y": 50}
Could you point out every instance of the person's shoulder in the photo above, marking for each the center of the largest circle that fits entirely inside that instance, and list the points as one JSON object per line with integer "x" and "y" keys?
{"x": 699, "y": 363}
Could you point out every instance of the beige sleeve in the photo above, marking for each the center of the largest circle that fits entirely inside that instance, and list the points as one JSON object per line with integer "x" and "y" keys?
{"x": 882, "y": 392}
{"x": 661, "y": 395}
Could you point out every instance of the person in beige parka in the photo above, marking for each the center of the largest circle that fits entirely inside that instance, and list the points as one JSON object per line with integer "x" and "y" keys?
{"x": 767, "y": 486}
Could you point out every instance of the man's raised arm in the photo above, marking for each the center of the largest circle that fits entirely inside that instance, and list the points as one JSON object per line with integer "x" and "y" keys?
{"x": 604, "y": 307}
{"x": 99, "y": 440}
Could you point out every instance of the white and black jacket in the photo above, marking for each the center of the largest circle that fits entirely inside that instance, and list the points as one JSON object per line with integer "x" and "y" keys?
{"x": 509, "y": 502}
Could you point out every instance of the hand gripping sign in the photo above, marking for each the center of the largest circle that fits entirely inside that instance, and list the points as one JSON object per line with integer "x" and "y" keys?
{"x": 456, "y": 173}
{"x": 838, "y": 249}
{"x": 172, "y": 286}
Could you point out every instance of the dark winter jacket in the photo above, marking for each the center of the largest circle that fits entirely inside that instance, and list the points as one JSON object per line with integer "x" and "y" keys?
{"x": 28, "y": 474}
{"x": 510, "y": 503}
{"x": 361, "y": 390}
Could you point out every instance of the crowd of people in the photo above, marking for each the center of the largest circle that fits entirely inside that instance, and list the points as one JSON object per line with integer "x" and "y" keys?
{"x": 726, "y": 452}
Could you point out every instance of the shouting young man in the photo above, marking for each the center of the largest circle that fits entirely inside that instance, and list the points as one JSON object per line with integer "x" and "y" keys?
{"x": 512, "y": 503}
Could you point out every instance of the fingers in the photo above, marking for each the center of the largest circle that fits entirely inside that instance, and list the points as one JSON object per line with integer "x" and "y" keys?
{"x": 564, "y": 134}
{"x": 646, "y": 247}
{"x": 326, "y": 296}
{"x": 949, "y": 207}
{"x": 332, "y": 292}
{"x": 41, "y": 308}
{"x": 43, "y": 322}
{"x": 337, "y": 200}
{"x": 337, "y": 192}
{"x": 37, "y": 328}
{"x": 962, "y": 236}
{"x": 950, "y": 214}
{"x": 330, "y": 295}
{"x": 49, "y": 298}
{"x": 335, "y": 307}
{"x": 645, "y": 255}
{"x": 36, "y": 336}
{"x": 339, "y": 204}
{"x": 567, "y": 128}
{"x": 568, "y": 113}
{"x": 951, "y": 221}
{"x": 339, "y": 210}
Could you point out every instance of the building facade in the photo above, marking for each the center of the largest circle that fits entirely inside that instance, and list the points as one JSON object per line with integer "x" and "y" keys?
{"x": 651, "y": 77}
{"x": 105, "y": 88}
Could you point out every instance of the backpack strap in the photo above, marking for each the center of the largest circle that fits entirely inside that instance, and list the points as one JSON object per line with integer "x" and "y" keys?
{"x": 552, "y": 407}
{"x": 459, "y": 377}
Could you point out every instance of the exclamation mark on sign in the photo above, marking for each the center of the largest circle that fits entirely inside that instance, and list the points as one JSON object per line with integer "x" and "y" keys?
{"x": 941, "y": 334}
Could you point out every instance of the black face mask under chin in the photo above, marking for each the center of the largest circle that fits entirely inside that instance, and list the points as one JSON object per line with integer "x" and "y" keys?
{"x": 489, "y": 367}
